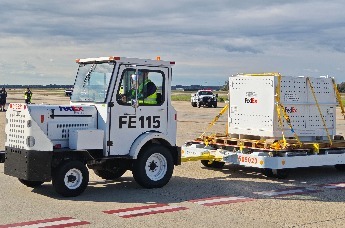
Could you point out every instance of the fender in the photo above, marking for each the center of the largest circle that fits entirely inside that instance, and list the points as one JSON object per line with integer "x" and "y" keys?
{"x": 142, "y": 140}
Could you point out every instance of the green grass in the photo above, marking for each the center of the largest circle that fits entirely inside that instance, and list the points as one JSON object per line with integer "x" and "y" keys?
{"x": 185, "y": 96}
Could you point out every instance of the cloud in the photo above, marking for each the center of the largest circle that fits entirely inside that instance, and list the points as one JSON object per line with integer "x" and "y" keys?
{"x": 210, "y": 39}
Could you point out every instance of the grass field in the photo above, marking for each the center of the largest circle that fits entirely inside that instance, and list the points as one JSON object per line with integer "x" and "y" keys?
{"x": 175, "y": 96}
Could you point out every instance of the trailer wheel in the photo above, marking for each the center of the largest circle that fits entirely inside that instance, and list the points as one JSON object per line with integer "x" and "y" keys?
{"x": 267, "y": 172}
{"x": 276, "y": 173}
{"x": 31, "y": 184}
{"x": 340, "y": 167}
{"x": 113, "y": 174}
{"x": 154, "y": 167}
{"x": 71, "y": 178}
{"x": 280, "y": 173}
{"x": 213, "y": 164}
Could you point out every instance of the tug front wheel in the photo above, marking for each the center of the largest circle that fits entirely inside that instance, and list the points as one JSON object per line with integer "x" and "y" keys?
{"x": 154, "y": 167}
{"x": 70, "y": 178}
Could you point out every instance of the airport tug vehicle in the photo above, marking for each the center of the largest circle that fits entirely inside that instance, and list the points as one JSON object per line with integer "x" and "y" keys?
{"x": 275, "y": 123}
{"x": 109, "y": 127}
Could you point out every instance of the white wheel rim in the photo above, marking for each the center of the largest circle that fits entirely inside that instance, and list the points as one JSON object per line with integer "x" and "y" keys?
{"x": 156, "y": 167}
{"x": 73, "y": 178}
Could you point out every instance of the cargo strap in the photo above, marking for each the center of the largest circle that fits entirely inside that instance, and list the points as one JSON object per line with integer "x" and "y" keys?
{"x": 280, "y": 108}
{"x": 215, "y": 120}
{"x": 338, "y": 98}
{"x": 318, "y": 107}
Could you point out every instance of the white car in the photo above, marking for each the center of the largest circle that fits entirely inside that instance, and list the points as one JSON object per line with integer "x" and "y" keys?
{"x": 204, "y": 98}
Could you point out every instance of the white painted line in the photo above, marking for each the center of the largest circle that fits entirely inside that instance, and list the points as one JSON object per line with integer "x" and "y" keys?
{"x": 334, "y": 186}
{"x": 221, "y": 200}
{"x": 286, "y": 192}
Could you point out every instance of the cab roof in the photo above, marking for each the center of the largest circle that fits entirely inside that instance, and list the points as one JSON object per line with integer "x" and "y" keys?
{"x": 126, "y": 60}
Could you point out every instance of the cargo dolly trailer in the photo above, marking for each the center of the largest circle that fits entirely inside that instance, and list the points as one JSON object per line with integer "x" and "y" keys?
{"x": 275, "y": 123}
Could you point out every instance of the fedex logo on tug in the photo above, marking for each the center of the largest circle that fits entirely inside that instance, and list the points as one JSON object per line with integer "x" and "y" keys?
{"x": 71, "y": 108}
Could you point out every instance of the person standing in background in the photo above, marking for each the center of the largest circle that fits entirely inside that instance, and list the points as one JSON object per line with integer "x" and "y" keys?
{"x": 28, "y": 96}
{"x": 3, "y": 95}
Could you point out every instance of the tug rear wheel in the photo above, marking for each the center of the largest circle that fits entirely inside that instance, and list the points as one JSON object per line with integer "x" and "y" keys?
{"x": 70, "y": 178}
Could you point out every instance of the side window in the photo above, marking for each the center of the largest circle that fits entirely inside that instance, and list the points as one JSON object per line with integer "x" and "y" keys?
{"x": 147, "y": 87}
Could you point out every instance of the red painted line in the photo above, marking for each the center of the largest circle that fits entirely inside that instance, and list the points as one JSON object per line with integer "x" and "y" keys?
{"x": 41, "y": 223}
{"x": 134, "y": 208}
{"x": 155, "y": 212}
{"x": 69, "y": 224}
{"x": 35, "y": 222}
{"x": 145, "y": 210}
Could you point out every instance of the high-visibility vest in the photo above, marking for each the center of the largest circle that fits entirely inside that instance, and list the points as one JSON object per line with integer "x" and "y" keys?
{"x": 27, "y": 95}
{"x": 152, "y": 99}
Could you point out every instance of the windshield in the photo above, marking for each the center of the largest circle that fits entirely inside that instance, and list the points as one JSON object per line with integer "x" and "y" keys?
{"x": 92, "y": 82}
{"x": 205, "y": 93}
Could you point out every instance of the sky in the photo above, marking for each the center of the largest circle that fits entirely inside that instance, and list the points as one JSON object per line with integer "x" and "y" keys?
{"x": 208, "y": 40}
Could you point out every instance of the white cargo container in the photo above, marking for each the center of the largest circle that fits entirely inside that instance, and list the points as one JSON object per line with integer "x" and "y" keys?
{"x": 254, "y": 100}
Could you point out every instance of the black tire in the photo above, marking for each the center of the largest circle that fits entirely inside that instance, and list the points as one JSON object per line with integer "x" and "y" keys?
{"x": 340, "y": 167}
{"x": 215, "y": 105}
{"x": 70, "y": 178}
{"x": 213, "y": 164}
{"x": 281, "y": 173}
{"x": 154, "y": 167}
{"x": 31, "y": 184}
{"x": 194, "y": 104}
{"x": 199, "y": 105}
{"x": 276, "y": 173}
{"x": 267, "y": 172}
{"x": 113, "y": 174}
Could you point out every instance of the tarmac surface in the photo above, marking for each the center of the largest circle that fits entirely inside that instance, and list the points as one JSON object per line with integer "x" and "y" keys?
{"x": 195, "y": 196}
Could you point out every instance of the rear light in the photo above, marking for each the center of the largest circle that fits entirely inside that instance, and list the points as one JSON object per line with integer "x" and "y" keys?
{"x": 172, "y": 63}
{"x": 77, "y": 60}
{"x": 42, "y": 118}
{"x": 114, "y": 58}
{"x": 57, "y": 146}
{"x": 158, "y": 58}
{"x": 175, "y": 116}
